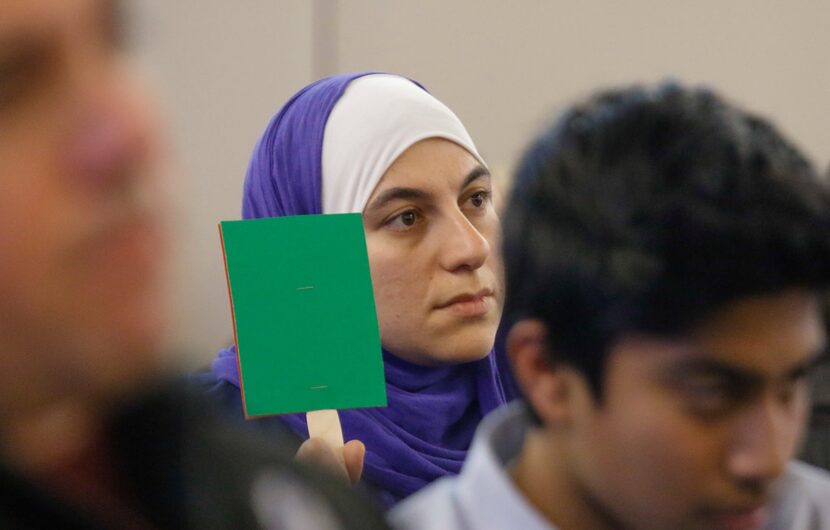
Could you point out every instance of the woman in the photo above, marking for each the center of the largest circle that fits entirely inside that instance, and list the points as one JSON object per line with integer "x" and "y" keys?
{"x": 381, "y": 145}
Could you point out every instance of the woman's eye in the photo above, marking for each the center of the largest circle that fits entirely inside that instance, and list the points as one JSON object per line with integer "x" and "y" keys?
{"x": 479, "y": 199}
{"x": 404, "y": 221}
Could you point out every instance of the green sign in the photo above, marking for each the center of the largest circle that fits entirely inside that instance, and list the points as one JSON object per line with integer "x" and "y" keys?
{"x": 304, "y": 314}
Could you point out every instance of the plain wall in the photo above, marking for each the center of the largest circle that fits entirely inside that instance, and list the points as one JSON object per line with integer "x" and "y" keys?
{"x": 223, "y": 68}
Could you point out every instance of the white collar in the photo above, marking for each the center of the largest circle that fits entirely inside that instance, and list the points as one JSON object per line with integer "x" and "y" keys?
{"x": 487, "y": 495}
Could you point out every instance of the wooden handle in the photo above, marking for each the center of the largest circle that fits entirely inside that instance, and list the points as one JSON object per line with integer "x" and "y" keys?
{"x": 325, "y": 424}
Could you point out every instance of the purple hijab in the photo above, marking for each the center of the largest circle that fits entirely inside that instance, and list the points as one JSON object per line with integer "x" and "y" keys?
{"x": 427, "y": 428}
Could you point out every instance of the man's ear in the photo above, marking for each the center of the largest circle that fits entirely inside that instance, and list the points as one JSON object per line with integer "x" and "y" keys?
{"x": 545, "y": 385}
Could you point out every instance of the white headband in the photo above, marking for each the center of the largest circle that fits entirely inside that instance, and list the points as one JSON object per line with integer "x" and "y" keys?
{"x": 377, "y": 118}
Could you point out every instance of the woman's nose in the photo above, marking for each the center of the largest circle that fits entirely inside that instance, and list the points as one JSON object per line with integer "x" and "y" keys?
{"x": 463, "y": 246}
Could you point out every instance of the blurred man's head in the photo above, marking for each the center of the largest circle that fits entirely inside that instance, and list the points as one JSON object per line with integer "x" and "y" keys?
{"x": 81, "y": 245}
{"x": 665, "y": 255}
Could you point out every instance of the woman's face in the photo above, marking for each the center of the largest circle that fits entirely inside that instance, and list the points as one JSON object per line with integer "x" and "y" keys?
{"x": 433, "y": 239}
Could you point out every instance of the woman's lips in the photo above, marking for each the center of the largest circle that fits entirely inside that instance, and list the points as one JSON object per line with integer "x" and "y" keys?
{"x": 470, "y": 305}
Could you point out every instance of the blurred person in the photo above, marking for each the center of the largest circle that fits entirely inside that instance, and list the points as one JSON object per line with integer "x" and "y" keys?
{"x": 665, "y": 254}
{"x": 816, "y": 448}
{"x": 381, "y": 145}
{"x": 88, "y": 437}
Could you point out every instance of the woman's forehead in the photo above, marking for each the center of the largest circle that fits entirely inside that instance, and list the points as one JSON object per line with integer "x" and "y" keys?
{"x": 433, "y": 163}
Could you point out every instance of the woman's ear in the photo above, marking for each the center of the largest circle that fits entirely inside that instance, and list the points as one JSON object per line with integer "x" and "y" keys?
{"x": 544, "y": 383}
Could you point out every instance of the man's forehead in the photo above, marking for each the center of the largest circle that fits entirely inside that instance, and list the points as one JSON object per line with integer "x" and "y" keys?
{"x": 23, "y": 16}
{"x": 675, "y": 361}
{"x": 789, "y": 323}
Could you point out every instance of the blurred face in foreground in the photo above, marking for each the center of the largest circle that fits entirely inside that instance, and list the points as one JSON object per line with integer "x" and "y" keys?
{"x": 81, "y": 243}
{"x": 691, "y": 433}
{"x": 432, "y": 234}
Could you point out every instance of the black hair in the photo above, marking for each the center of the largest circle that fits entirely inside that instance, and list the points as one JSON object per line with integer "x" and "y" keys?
{"x": 646, "y": 210}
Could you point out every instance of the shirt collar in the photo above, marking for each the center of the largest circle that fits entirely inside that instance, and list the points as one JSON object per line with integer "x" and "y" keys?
{"x": 487, "y": 495}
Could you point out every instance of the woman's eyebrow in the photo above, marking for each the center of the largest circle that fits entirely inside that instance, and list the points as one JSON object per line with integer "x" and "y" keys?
{"x": 478, "y": 172}
{"x": 415, "y": 194}
{"x": 394, "y": 194}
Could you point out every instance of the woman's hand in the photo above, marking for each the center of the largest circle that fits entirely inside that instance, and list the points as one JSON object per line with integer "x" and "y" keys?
{"x": 345, "y": 462}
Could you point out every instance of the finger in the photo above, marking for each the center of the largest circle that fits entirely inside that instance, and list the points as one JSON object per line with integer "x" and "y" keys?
{"x": 354, "y": 453}
{"x": 316, "y": 452}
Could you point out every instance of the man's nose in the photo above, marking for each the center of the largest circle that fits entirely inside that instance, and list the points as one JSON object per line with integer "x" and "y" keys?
{"x": 110, "y": 135}
{"x": 764, "y": 442}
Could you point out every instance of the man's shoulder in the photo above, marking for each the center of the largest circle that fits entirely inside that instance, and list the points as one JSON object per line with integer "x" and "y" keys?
{"x": 803, "y": 498}
{"x": 433, "y": 507}
{"x": 809, "y": 480}
{"x": 483, "y": 494}
{"x": 226, "y": 476}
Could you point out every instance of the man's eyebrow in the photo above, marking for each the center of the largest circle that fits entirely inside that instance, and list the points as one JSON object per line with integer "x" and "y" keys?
{"x": 820, "y": 357}
{"x": 478, "y": 172}
{"x": 394, "y": 194}
{"x": 712, "y": 367}
{"x": 14, "y": 42}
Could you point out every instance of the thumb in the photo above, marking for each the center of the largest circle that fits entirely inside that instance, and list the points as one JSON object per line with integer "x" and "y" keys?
{"x": 354, "y": 453}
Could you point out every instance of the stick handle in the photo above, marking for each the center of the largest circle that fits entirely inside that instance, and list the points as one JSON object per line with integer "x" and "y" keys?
{"x": 325, "y": 424}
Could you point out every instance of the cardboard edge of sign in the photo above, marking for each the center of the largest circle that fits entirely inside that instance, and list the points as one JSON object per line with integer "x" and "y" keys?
{"x": 233, "y": 321}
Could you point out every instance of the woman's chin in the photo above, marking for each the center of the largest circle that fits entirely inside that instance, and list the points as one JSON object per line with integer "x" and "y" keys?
{"x": 456, "y": 352}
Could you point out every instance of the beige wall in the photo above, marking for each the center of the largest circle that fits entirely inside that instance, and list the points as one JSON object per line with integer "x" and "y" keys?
{"x": 505, "y": 66}
{"x": 222, "y": 68}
